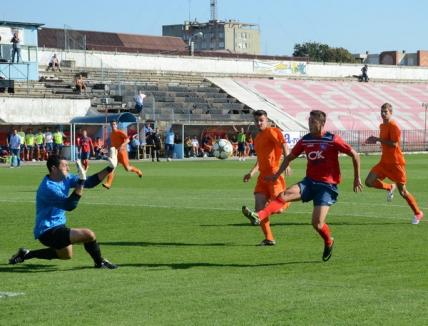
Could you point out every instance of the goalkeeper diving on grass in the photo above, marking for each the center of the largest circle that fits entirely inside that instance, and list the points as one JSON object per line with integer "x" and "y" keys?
{"x": 52, "y": 202}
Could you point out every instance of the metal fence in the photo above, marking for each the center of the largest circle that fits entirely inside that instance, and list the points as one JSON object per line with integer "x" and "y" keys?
{"x": 411, "y": 140}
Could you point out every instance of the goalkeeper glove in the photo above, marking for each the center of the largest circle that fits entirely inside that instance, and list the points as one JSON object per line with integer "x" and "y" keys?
{"x": 80, "y": 170}
{"x": 112, "y": 158}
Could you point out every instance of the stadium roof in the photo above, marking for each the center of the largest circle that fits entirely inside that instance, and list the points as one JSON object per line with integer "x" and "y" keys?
{"x": 103, "y": 119}
{"x": 104, "y": 41}
{"x": 19, "y": 24}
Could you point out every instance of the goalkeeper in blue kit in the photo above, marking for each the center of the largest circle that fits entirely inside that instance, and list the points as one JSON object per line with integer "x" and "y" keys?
{"x": 52, "y": 201}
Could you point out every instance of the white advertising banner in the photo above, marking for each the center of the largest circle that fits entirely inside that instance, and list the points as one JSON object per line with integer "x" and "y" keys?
{"x": 280, "y": 67}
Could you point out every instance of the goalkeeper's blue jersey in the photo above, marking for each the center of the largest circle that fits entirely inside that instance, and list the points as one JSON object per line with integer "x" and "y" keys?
{"x": 51, "y": 199}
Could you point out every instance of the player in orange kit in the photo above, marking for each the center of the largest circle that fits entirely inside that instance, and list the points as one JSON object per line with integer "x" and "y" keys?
{"x": 270, "y": 146}
{"x": 120, "y": 140}
{"x": 392, "y": 164}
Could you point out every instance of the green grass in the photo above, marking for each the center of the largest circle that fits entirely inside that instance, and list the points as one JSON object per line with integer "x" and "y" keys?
{"x": 188, "y": 257}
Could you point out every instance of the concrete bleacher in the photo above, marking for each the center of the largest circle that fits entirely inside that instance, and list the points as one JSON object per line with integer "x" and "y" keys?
{"x": 170, "y": 96}
{"x": 349, "y": 105}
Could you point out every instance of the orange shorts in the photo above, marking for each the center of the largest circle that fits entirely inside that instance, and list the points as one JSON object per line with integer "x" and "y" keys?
{"x": 394, "y": 172}
{"x": 270, "y": 189}
{"x": 122, "y": 158}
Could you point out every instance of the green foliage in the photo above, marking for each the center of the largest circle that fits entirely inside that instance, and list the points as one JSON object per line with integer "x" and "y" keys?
{"x": 188, "y": 257}
{"x": 322, "y": 53}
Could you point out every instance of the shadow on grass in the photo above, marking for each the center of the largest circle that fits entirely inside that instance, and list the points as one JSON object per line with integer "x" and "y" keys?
{"x": 273, "y": 223}
{"x": 192, "y": 265}
{"x": 167, "y": 244}
{"x": 32, "y": 268}
{"x": 27, "y": 268}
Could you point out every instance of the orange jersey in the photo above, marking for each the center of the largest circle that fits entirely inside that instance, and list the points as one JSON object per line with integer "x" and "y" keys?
{"x": 268, "y": 146}
{"x": 117, "y": 138}
{"x": 391, "y": 131}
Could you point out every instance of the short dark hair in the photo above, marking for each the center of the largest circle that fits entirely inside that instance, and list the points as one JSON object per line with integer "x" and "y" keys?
{"x": 53, "y": 161}
{"x": 259, "y": 113}
{"x": 387, "y": 106}
{"x": 319, "y": 115}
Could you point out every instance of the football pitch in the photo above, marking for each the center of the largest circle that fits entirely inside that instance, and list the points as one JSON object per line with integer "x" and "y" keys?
{"x": 187, "y": 256}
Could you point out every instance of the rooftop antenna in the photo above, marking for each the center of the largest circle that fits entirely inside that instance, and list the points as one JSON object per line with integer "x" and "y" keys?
{"x": 213, "y": 7}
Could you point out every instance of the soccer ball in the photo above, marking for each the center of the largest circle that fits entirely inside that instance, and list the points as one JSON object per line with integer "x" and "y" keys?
{"x": 223, "y": 149}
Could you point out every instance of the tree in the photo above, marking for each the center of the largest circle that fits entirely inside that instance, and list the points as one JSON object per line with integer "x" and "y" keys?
{"x": 322, "y": 52}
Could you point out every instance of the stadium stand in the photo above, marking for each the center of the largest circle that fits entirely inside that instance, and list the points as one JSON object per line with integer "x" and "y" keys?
{"x": 350, "y": 105}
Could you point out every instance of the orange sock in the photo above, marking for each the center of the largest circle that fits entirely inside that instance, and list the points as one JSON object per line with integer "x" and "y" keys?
{"x": 273, "y": 207}
{"x": 412, "y": 203}
{"x": 265, "y": 225}
{"x": 378, "y": 184}
{"x": 325, "y": 234}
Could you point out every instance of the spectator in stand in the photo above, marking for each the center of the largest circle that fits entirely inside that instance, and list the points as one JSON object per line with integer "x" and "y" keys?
{"x": 39, "y": 144}
{"x": 139, "y": 101}
{"x": 58, "y": 141}
{"x": 365, "y": 76}
{"x": 15, "y": 147}
{"x": 54, "y": 63}
{"x": 29, "y": 144}
{"x": 195, "y": 146}
{"x": 207, "y": 145}
{"x": 147, "y": 128}
{"x": 48, "y": 143}
{"x": 86, "y": 148}
{"x": 187, "y": 146}
{"x": 80, "y": 84}
{"x": 169, "y": 144}
{"x": 16, "y": 47}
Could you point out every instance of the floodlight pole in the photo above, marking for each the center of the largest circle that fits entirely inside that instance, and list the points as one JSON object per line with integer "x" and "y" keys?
{"x": 191, "y": 44}
{"x": 425, "y": 106}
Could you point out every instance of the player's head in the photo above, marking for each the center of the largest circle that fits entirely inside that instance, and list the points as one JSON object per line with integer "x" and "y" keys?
{"x": 113, "y": 125}
{"x": 316, "y": 121}
{"x": 84, "y": 133}
{"x": 260, "y": 119}
{"x": 386, "y": 111}
{"x": 58, "y": 167}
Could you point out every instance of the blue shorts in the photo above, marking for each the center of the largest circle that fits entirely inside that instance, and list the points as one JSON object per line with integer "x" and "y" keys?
{"x": 322, "y": 193}
{"x": 85, "y": 155}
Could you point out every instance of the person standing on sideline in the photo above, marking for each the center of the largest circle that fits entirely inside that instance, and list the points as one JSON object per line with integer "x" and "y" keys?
{"x": 120, "y": 140}
{"x": 139, "y": 101}
{"x": 241, "y": 139}
{"x": 29, "y": 144}
{"x": 15, "y": 148}
{"x": 270, "y": 145}
{"x": 52, "y": 201}
{"x": 322, "y": 150}
{"x": 86, "y": 148}
{"x": 392, "y": 164}
{"x": 39, "y": 144}
{"x": 169, "y": 144}
{"x": 16, "y": 47}
{"x": 58, "y": 141}
{"x": 48, "y": 143}
{"x": 21, "y": 133}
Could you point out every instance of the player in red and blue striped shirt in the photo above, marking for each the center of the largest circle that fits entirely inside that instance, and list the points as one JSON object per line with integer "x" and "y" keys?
{"x": 322, "y": 149}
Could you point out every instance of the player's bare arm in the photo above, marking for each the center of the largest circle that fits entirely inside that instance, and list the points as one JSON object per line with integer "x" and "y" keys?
{"x": 358, "y": 187}
{"x": 252, "y": 172}
{"x": 286, "y": 152}
{"x": 374, "y": 140}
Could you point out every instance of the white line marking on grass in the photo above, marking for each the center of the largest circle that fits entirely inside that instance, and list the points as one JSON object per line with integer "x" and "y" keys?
{"x": 10, "y": 294}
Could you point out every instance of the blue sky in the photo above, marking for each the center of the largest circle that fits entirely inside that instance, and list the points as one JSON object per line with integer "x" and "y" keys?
{"x": 376, "y": 25}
